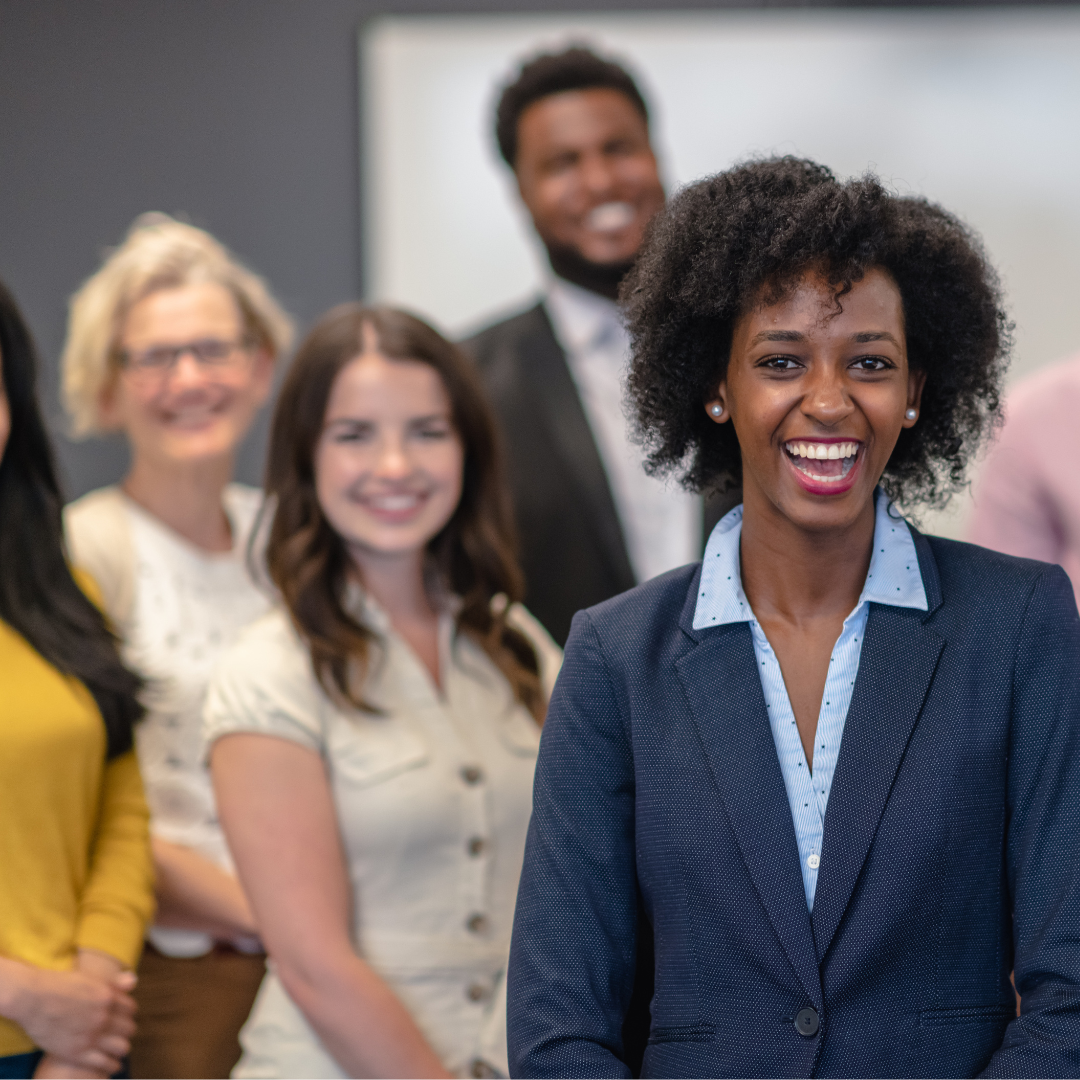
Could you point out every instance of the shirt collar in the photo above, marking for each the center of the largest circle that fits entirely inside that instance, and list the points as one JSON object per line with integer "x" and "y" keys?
{"x": 582, "y": 319}
{"x": 893, "y": 578}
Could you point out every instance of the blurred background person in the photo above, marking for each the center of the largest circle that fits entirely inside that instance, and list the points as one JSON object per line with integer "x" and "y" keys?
{"x": 1027, "y": 498}
{"x": 173, "y": 344}
{"x": 374, "y": 739}
{"x": 574, "y": 127}
{"x": 76, "y": 889}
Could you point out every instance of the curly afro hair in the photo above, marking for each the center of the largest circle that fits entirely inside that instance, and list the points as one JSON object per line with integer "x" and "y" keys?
{"x": 575, "y": 68}
{"x": 748, "y": 236}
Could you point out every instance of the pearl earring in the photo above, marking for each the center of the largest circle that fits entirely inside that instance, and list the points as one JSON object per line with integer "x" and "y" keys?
{"x": 716, "y": 410}
{"x": 911, "y": 414}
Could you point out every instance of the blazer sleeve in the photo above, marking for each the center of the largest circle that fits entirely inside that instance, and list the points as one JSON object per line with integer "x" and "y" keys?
{"x": 572, "y": 956}
{"x": 1043, "y": 837}
{"x": 117, "y": 901}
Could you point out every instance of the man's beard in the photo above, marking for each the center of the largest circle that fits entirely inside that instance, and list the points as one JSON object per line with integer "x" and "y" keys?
{"x": 601, "y": 278}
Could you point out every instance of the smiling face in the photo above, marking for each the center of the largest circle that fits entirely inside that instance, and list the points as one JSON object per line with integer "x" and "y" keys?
{"x": 190, "y": 411}
{"x": 389, "y": 463}
{"x": 818, "y": 395}
{"x": 587, "y": 173}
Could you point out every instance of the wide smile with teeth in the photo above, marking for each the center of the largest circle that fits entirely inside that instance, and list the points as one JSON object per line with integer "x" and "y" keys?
{"x": 827, "y": 463}
{"x": 393, "y": 504}
{"x": 192, "y": 418}
{"x": 610, "y": 217}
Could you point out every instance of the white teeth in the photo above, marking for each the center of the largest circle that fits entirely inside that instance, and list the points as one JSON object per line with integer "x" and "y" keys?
{"x": 822, "y": 451}
{"x": 394, "y": 502}
{"x": 610, "y": 217}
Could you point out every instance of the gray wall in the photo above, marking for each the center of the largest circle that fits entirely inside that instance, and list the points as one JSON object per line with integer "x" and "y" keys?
{"x": 240, "y": 115}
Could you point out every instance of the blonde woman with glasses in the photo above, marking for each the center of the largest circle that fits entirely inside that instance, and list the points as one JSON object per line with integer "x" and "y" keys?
{"x": 173, "y": 343}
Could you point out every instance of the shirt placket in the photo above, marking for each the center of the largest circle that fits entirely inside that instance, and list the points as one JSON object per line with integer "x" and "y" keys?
{"x": 474, "y": 877}
{"x": 807, "y": 810}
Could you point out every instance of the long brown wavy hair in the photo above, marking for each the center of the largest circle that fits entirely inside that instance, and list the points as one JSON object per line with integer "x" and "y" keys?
{"x": 473, "y": 557}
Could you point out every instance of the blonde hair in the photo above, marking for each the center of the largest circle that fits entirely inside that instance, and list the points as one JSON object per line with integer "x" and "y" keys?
{"x": 158, "y": 252}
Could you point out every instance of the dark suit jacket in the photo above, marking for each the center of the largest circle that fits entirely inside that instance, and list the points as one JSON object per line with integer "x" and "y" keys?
{"x": 951, "y": 846}
{"x": 572, "y": 548}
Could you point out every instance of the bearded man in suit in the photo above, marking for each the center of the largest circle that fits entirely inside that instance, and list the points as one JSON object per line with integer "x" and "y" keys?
{"x": 574, "y": 128}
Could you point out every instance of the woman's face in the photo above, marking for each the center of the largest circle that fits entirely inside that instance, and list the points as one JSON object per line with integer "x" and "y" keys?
{"x": 190, "y": 383}
{"x": 389, "y": 462}
{"x": 818, "y": 391}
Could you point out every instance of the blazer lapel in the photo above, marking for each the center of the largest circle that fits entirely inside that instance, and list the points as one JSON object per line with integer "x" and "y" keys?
{"x": 898, "y": 661}
{"x": 558, "y": 399}
{"x": 722, "y": 686}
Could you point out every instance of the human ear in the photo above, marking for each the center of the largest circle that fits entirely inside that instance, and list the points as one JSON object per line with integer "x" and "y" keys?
{"x": 916, "y": 382}
{"x": 716, "y": 407}
{"x": 110, "y": 416}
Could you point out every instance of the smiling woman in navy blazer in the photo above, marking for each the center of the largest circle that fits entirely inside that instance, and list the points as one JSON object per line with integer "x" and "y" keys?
{"x": 812, "y": 800}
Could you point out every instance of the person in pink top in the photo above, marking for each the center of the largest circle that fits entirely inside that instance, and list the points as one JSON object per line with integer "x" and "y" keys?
{"x": 1026, "y": 503}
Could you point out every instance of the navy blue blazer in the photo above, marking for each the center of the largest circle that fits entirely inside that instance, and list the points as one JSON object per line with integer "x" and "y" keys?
{"x": 951, "y": 850}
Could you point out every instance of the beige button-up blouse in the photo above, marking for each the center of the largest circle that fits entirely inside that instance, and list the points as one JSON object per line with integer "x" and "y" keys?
{"x": 433, "y": 801}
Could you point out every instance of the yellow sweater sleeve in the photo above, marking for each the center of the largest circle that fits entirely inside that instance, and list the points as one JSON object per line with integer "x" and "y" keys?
{"x": 117, "y": 902}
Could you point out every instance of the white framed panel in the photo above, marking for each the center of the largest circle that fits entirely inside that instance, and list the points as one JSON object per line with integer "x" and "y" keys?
{"x": 975, "y": 109}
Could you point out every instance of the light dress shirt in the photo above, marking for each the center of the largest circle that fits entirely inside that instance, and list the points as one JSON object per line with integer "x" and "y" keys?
{"x": 433, "y": 798}
{"x": 186, "y": 607}
{"x": 661, "y": 522}
{"x": 894, "y": 579}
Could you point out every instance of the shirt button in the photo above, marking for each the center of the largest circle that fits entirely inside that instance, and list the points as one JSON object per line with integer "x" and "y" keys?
{"x": 472, "y": 774}
{"x": 476, "y": 924}
{"x": 476, "y": 846}
{"x": 806, "y": 1022}
{"x": 476, "y": 992}
{"x": 480, "y": 1069}
{"x": 813, "y": 861}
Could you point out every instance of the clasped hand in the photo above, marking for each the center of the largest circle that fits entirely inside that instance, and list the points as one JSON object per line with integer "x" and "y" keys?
{"x": 83, "y": 1018}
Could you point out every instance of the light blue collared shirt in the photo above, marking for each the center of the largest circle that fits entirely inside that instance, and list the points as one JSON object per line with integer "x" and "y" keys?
{"x": 893, "y": 578}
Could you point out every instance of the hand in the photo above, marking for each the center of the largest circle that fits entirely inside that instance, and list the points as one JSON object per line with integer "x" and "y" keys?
{"x": 83, "y": 1019}
{"x": 53, "y": 1068}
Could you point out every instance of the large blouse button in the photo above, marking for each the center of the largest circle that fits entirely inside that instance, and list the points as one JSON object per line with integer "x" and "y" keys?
{"x": 472, "y": 774}
{"x": 477, "y": 923}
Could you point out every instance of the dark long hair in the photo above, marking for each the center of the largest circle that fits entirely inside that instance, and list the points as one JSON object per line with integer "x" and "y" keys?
{"x": 473, "y": 556}
{"x": 39, "y": 598}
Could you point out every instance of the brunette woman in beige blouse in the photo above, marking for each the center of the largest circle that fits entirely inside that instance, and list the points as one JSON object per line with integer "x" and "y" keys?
{"x": 376, "y": 735}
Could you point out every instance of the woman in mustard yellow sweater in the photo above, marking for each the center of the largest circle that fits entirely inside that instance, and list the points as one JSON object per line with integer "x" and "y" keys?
{"x": 76, "y": 888}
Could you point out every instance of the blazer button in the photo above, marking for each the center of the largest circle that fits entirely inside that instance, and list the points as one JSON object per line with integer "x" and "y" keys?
{"x": 806, "y": 1022}
{"x": 472, "y": 774}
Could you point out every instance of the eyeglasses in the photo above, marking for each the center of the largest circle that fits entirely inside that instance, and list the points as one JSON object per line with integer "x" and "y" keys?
{"x": 213, "y": 354}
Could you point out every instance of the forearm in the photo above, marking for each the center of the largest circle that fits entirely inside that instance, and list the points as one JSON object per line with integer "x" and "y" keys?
{"x": 195, "y": 894}
{"x": 360, "y": 1020}
{"x": 117, "y": 900}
